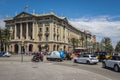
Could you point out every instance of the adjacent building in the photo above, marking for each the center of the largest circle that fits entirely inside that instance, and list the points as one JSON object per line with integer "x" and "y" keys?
{"x": 47, "y": 32}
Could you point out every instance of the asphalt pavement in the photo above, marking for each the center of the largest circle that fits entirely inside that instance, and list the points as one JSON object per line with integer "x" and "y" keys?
{"x": 13, "y": 69}
{"x": 44, "y": 71}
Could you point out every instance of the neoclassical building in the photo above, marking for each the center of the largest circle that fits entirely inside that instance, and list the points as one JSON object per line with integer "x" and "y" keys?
{"x": 37, "y": 32}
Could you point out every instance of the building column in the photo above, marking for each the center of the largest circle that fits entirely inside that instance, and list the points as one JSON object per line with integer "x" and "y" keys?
{"x": 15, "y": 32}
{"x": 26, "y": 48}
{"x": 51, "y": 31}
{"x": 19, "y": 48}
{"x": 61, "y": 34}
{"x": 43, "y": 32}
{"x": 21, "y": 31}
{"x": 65, "y": 36}
{"x": 37, "y": 30}
{"x": 27, "y": 31}
{"x": 56, "y": 33}
{"x": 11, "y": 48}
{"x": 33, "y": 26}
{"x": 51, "y": 47}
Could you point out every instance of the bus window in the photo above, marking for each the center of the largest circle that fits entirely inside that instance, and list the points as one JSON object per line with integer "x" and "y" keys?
{"x": 78, "y": 51}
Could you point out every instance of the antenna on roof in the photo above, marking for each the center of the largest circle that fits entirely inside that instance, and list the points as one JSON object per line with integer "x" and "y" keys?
{"x": 16, "y": 13}
{"x": 51, "y": 11}
{"x": 61, "y": 15}
{"x": 33, "y": 12}
{"x": 7, "y": 16}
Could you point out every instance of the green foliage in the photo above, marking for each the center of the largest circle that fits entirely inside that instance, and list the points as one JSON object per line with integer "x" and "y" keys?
{"x": 4, "y": 37}
{"x": 73, "y": 41}
{"x": 106, "y": 44}
{"x": 82, "y": 39}
{"x": 117, "y": 48}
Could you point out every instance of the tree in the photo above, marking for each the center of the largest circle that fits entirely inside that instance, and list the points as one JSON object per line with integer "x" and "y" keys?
{"x": 117, "y": 48}
{"x": 82, "y": 39}
{"x": 77, "y": 42}
{"x": 7, "y": 37}
{"x": 4, "y": 38}
{"x": 73, "y": 41}
{"x": 1, "y": 39}
{"x": 106, "y": 44}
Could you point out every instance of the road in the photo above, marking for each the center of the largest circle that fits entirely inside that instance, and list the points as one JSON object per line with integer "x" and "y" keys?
{"x": 65, "y": 67}
{"x": 93, "y": 68}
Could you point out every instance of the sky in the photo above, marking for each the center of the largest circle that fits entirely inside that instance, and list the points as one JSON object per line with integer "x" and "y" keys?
{"x": 100, "y": 17}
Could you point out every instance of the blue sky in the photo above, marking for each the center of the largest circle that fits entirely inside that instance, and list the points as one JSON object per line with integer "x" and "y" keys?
{"x": 100, "y": 17}
{"x": 68, "y": 8}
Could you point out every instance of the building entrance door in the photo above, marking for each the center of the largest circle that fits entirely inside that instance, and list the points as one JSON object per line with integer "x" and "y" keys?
{"x": 16, "y": 48}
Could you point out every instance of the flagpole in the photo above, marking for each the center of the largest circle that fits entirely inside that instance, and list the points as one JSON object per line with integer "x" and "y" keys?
{"x": 25, "y": 8}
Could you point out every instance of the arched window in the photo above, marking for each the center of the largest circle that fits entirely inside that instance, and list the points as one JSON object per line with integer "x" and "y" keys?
{"x": 64, "y": 47}
{"x": 47, "y": 29}
{"x": 54, "y": 47}
{"x": 47, "y": 37}
{"x": 39, "y": 48}
{"x": 30, "y": 48}
{"x": 57, "y": 47}
{"x": 16, "y": 49}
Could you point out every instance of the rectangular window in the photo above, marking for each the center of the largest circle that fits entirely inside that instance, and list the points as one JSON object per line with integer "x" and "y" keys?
{"x": 18, "y": 30}
{"x": 40, "y": 29}
{"x": 24, "y": 30}
{"x": 30, "y": 29}
{"x": 47, "y": 29}
{"x": 54, "y": 29}
{"x": 47, "y": 37}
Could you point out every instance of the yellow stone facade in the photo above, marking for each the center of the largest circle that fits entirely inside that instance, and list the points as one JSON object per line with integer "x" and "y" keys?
{"x": 37, "y": 32}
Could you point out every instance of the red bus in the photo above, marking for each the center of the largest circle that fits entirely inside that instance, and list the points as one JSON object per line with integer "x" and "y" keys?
{"x": 79, "y": 50}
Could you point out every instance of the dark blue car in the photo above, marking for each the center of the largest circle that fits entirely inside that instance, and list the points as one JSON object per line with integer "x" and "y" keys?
{"x": 2, "y": 54}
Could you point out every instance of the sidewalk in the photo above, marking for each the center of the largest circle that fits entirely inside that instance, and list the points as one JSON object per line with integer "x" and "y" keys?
{"x": 44, "y": 71}
{"x": 18, "y": 58}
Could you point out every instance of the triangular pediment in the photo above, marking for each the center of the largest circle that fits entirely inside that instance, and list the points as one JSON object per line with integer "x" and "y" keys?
{"x": 65, "y": 19}
{"x": 24, "y": 14}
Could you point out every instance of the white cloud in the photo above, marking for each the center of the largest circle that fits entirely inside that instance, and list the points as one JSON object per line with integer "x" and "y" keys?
{"x": 2, "y": 24}
{"x": 101, "y": 26}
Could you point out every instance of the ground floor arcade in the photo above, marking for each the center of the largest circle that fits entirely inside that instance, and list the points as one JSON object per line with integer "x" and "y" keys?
{"x": 37, "y": 47}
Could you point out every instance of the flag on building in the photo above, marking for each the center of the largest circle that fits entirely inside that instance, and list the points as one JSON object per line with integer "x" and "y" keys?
{"x": 26, "y": 6}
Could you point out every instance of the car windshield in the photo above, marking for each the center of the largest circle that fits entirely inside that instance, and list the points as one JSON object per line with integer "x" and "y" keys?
{"x": 93, "y": 56}
{"x": 97, "y": 53}
{"x": 118, "y": 58}
{"x": 115, "y": 58}
{"x": 85, "y": 56}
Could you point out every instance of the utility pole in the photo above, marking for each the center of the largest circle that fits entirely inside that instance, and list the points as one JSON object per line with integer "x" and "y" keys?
{"x": 22, "y": 50}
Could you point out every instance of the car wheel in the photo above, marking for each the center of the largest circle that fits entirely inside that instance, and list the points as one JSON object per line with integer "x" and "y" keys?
{"x": 95, "y": 63}
{"x": 75, "y": 61}
{"x": 116, "y": 68}
{"x": 88, "y": 62}
{"x": 103, "y": 65}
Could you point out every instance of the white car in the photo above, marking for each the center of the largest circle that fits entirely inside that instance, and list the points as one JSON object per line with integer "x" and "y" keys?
{"x": 7, "y": 54}
{"x": 54, "y": 56}
{"x": 89, "y": 59}
{"x": 113, "y": 62}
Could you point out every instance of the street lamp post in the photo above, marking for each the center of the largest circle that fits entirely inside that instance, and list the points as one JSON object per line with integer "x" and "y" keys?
{"x": 22, "y": 50}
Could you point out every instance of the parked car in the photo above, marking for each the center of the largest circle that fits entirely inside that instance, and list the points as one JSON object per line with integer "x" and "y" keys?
{"x": 1, "y": 54}
{"x": 102, "y": 55}
{"x": 55, "y": 56}
{"x": 113, "y": 62}
{"x": 5, "y": 54}
{"x": 89, "y": 59}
